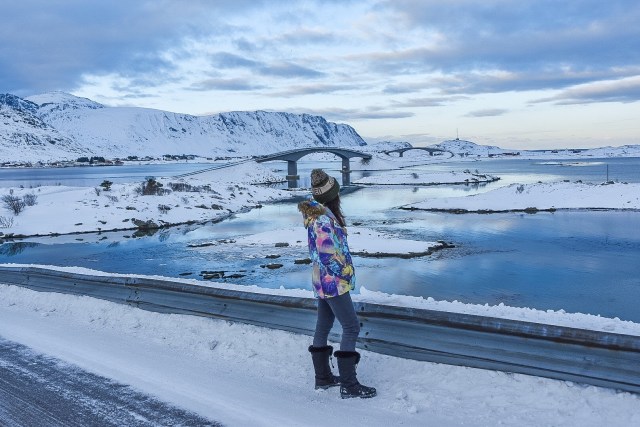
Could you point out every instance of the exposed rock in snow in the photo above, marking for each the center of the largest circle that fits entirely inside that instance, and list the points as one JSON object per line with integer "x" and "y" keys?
{"x": 23, "y": 133}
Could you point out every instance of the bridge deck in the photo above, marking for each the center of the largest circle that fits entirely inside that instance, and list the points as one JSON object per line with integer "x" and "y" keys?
{"x": 295, "y": 155}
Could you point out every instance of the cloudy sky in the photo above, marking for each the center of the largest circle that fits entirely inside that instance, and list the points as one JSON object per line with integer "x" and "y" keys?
{"x": 519, "y": 74}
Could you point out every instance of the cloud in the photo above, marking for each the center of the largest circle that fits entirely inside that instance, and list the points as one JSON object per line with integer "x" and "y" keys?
{"x": 428, "y": 101}
{"x": 451, "y": 74}
{"x": 227, "y": 60}
{"x": 493, "y": 81}
{"x": 405, "y": 87}
{"x": 547, "y": 43}
{"x": 489, "y": 112}
{"x": 230, "y": 60}
{"x": 233, "y": 84}
{"x": 415, "y": 139}
{"x": 49, "y": 45}
{"x": 624, "y": 90}
{"x": 289, "y": 70}
{"x": 497, "y": 81}
{"x": 245, "y": 45}
{"x": 317, "y": 88}
{"x": 349, "y": 114}
{"x": 403, "y": 54}
{"x": 307, "y": 36}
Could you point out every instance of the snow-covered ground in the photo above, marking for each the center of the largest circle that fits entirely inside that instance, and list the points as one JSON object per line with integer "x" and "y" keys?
{"x": 208, "y": 196}
{"x": 470, "y": 150}
{"x": 425, "y": 178}
{"x": 361, "y": 241}
{"x": 249, "y": 376}
{"x": 216, "y": 194}
{"x": 552, "y": 195}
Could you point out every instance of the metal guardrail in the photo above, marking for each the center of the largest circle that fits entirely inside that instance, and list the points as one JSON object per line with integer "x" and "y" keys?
{"x": 584, "y": 356}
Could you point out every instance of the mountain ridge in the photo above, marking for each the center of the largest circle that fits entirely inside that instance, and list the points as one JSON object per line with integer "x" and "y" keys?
{"x": 59, "y": 126}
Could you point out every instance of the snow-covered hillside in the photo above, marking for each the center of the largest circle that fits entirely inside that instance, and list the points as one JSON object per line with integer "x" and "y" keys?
{"x": 467, "y": 148}
{"x": 59, "y": 126}
{"x": 24, "y": 134}
{"x": 462, "y": 148}
{"x": 622, "y": 151}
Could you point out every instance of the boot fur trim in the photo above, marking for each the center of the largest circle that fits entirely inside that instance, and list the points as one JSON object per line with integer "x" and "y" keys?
{"x": 323, "y": 349}
{"x": 347, "y": 354}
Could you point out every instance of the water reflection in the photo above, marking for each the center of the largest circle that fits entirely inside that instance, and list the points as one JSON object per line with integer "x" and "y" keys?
{"x": 91, "y": 176}
{"x": 15, "y": 248}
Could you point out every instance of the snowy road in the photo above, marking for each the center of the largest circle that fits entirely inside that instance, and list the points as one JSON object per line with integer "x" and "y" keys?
{"x": 36, "y": 390}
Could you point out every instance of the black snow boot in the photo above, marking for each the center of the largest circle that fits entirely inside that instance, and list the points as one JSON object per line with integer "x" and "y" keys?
{"x": 324, "y": 376}
{"x": 349, "y": 385}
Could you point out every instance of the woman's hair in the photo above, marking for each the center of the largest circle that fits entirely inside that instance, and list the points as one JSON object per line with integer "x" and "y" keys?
{"x": 334, "y": 206}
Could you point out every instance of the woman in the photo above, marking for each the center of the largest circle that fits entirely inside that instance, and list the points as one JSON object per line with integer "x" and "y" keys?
{"x": 333, "y": 277}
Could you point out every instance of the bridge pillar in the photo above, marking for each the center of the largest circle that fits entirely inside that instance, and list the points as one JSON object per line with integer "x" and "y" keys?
{"x": 401, "y": 153}
{"x": 346, "y": 172}
{"x": 292, "y": 173}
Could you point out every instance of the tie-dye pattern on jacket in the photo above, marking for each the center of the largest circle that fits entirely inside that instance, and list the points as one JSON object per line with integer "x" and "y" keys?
{"x": 333, "y": 272}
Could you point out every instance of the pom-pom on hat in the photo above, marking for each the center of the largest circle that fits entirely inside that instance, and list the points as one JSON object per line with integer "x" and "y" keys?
{"x": 324, "y": 188}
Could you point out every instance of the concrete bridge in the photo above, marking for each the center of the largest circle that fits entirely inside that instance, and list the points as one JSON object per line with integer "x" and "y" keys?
{"x": 292, "y": 157}
{"x": 430, "y": 150}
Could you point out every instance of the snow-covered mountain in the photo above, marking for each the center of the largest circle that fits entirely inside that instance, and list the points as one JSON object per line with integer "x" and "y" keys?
{"x": 24, "y": 134}
{"x": 60, "y": 126}
{"x": 468, "y": 148}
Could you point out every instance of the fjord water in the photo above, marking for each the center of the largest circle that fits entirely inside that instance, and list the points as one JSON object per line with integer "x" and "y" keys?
{"x": 89, "y": 176}
{"x": 576, "y": 261}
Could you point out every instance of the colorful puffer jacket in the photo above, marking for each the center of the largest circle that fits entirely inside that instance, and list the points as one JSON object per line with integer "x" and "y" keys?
{"x": 333, "y": 272}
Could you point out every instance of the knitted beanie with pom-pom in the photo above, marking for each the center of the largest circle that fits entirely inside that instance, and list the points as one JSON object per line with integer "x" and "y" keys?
{"x": 324, "y": 188}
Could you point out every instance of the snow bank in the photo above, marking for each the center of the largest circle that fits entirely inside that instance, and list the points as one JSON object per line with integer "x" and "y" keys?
{"x": 245, "y": 375}
{"x": 553, "y": 195}
{"x": 361, "y": 240}
{"x": 204, "y": 197}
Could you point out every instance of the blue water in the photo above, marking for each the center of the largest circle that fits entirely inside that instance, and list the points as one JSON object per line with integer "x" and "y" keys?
{"x": 528, "y": 171}
{"x": 509, "y": 170}
{"x": 577, "y": 261}
{"x": 90, "y": 176}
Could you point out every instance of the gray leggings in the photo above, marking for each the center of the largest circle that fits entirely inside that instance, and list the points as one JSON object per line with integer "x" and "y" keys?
{"x": 342, "y": 308}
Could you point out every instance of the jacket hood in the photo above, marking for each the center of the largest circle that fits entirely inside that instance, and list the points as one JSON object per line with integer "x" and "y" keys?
{"x": 311, "y": 210}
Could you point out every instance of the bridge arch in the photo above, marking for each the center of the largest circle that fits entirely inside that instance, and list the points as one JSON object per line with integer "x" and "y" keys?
{"x": 292, "y": 157}
{"x": 401, "y": 151}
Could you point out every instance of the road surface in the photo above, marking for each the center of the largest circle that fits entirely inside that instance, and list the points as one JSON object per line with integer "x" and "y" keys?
{"x": 36, "y": 390}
